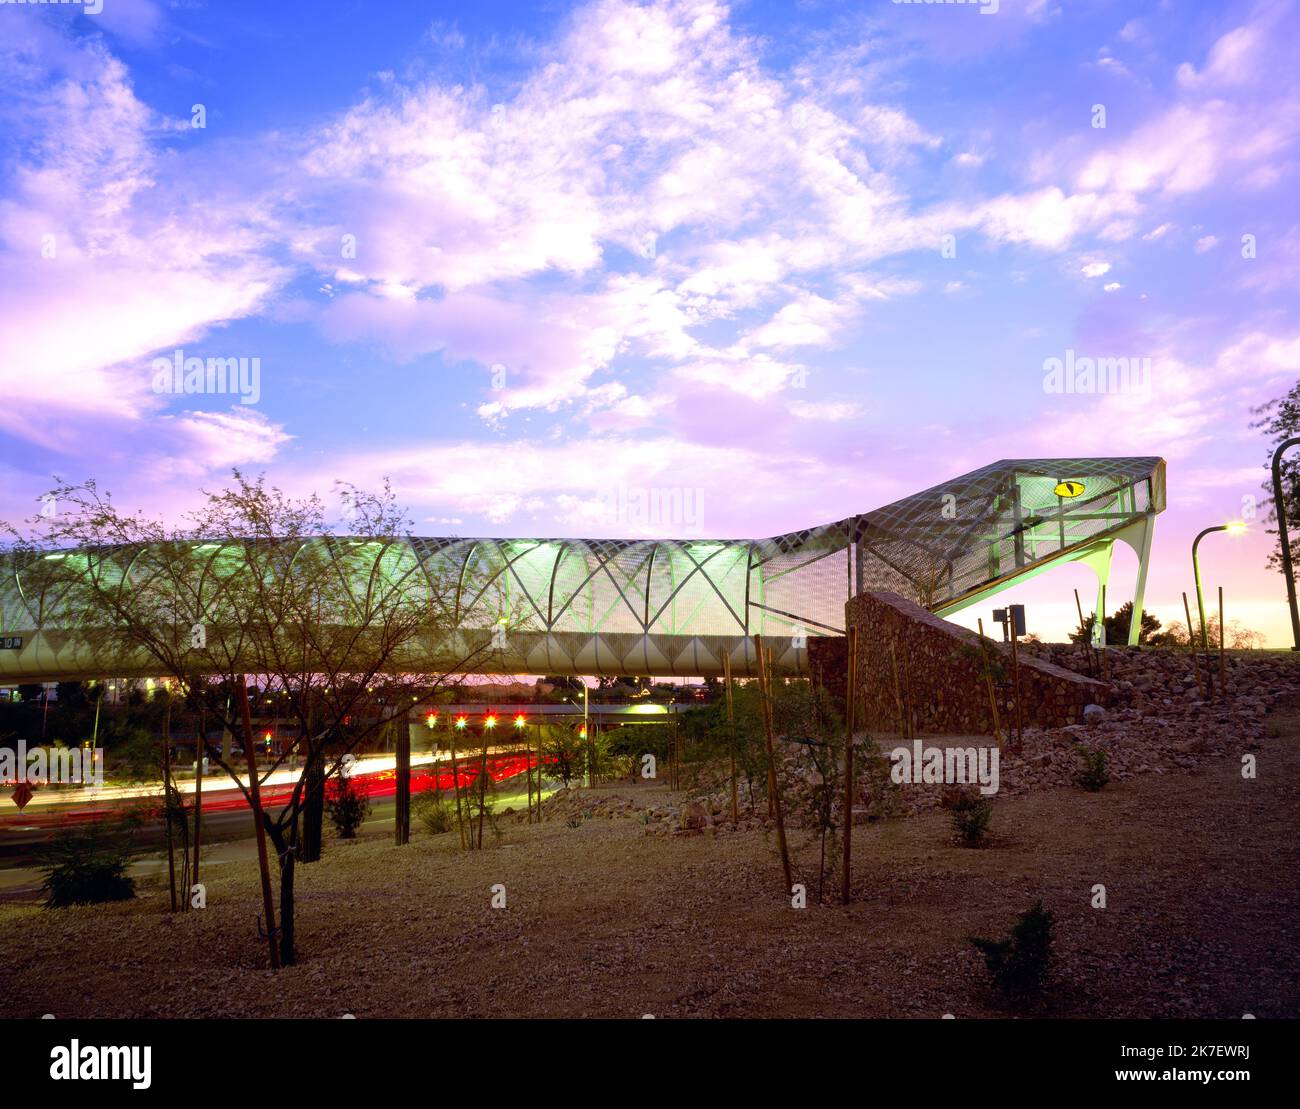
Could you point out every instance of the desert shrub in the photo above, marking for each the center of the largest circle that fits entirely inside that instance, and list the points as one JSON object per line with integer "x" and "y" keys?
{"x": 435, "y": 812}
{"x": 480, "y": 807}
{"x": 875, "y": 782}
{"x": 1019, "y": 964}
{"x": 970, "y": 812}
{"x": 86, "y": 867}
{"x": 1092, "y": 774}
{"x": 347, "y": 807}
{"x": 562, "y": 752}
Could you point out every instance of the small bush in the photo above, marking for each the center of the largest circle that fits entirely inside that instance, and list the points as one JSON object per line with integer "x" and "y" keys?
{"x": 347, "y": 806}
{"x": 435, "y": 812}
{"x": 86, "y": 868}
{"x": 1092, "y": 774}
{"x": 970, "y": 812}
{"x": 1019, "y": 964}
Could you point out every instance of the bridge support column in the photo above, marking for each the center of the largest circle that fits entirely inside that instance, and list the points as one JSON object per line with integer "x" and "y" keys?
{"x": 1139, "y": 538}
{"x": 1099, "y": 559}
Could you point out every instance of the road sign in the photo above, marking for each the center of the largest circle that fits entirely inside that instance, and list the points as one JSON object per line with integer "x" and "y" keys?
{"x": 21, "y": 795}
{"x": 1011, "y": 616}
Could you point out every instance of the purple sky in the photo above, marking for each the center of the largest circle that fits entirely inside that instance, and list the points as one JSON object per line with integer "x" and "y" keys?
{"x": 784, "y": 262}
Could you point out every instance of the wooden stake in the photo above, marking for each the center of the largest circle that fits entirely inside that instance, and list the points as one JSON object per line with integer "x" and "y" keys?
{"x": 255, "y": 794}
{"x": 1223, "y": 671}
{"x": 1089, "y": 651}
{"x": 850, "y": 703}
{"x": 773, "y": 790}
{"x": 1191, "y": 646}
{"x": 988, "y": 682}
{"x": 1105, "y": 654}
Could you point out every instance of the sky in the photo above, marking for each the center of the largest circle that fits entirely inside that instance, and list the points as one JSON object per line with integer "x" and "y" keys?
{"x": 775, "y": 263}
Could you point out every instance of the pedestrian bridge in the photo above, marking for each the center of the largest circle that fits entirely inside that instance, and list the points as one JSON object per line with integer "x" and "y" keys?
{"x": 654, "y": 607}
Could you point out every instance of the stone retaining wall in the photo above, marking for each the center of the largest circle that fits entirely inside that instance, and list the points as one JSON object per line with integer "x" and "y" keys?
{"x": 939, "y": 674}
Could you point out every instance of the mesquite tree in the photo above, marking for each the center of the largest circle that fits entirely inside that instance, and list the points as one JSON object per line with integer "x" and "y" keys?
{"x": 341, "y": 633}
{"x": 1280, "y": 420}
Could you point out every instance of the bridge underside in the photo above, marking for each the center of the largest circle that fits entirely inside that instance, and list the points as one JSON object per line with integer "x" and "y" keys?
{"x": 648, "y": 607}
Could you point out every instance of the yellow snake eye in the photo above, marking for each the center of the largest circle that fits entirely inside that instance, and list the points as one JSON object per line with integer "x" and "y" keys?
{"x": 1069, "y": 488}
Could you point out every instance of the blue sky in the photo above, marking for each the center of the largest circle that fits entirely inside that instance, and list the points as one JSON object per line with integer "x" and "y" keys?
{"x": 803, "y": 257}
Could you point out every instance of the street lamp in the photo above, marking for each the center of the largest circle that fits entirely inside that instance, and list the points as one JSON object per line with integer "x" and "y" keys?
{"x": 1234, "y": 528}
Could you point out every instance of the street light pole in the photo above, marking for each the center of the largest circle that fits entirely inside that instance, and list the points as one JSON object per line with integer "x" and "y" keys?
{"x": 1279, "y": 507}
{"x": 1196, "y": 573}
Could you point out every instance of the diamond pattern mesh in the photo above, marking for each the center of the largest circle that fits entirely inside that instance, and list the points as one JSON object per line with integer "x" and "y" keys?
{"x": 655, "y": 605}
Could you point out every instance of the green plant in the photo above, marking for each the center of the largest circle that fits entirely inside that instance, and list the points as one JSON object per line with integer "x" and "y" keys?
{"x": 565, "y": 753}
{"x": 1117, "y": 627}
{"x": 970, "y": 813}
{"x": 435, "y": 812}
{"x": 1020, "y": 963}
{"x": 874, "y": 780}
{"x": 479, "y": 800}
{"x": 86, "y": 867}
{"x": 347, "y": 806}
{"x": 1092, "y": 774}
{"x": 804, "y": 714}
{"x": 985, "y": 657}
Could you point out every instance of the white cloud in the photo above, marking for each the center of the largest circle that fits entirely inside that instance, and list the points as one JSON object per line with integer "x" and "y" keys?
{"x": 219, "y": 440}
{"x": 100, "y": 267}
{"x": 829, "y": 411}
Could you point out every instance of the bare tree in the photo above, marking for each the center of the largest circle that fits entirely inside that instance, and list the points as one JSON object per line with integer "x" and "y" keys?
{"x": 342, "y": 634}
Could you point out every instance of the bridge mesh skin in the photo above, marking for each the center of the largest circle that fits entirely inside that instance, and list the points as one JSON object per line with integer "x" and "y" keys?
{"x": 657, "y": 607}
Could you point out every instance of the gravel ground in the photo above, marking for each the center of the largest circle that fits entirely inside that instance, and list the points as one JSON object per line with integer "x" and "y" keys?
{"x": 603, "y": 920}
